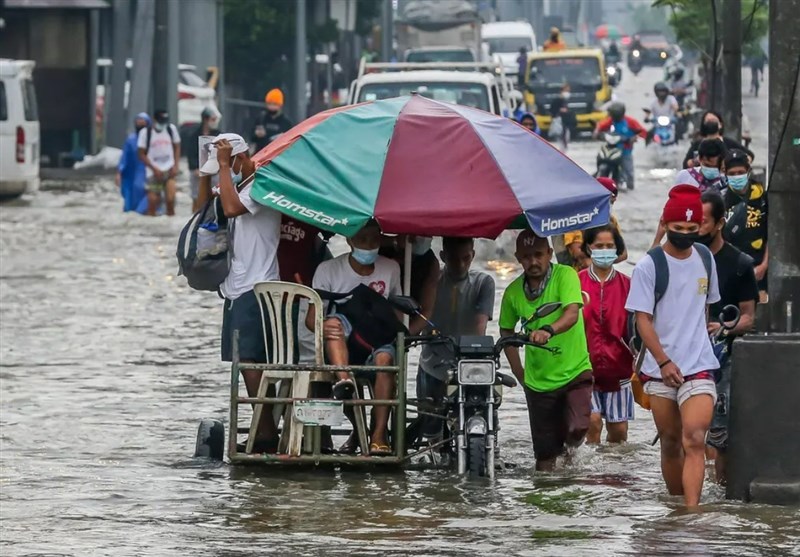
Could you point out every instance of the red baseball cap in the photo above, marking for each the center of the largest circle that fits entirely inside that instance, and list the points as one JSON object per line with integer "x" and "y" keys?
{"x": 683, "y": 205}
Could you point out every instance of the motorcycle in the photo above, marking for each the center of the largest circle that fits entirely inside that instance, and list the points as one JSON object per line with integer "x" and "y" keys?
{"x": 614, "y": 74}
{"x": 609, "y": 159}
{"x": 474, "y": 393}
{"x": 663, "y": 131}
{"x": 635, "y": 61}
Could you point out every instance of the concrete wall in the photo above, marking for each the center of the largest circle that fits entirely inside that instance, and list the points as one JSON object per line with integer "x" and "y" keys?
{"x": 198, "y": 37}
{"x": 764, "y": 439}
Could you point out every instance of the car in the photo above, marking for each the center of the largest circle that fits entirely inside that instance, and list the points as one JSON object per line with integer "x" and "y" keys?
{"x": 655, "y": 49}
{"x": 194, "y": 94}
{"x": 19, "y": 129}
{"x": 458, "y": 83}
{"x": 505, "y": 38}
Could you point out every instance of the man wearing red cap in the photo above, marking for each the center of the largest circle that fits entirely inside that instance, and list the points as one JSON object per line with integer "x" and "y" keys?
{"x": 679, "y": 364}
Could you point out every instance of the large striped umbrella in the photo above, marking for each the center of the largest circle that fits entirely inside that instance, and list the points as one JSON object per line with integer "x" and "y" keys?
{"x": 424, "y": 167}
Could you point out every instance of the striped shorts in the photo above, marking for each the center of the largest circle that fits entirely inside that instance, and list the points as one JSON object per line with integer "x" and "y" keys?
{"x": 615, "y": 406}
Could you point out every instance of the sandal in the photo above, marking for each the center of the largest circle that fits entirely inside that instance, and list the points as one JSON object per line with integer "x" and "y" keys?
{"x": 379, "y": 449}
{"x": 344, "y": 389}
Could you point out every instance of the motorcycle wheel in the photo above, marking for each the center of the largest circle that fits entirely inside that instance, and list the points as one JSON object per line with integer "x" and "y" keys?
{"x": 477, "y": 456}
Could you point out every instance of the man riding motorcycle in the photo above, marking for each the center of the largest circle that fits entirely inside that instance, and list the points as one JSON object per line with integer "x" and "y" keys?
{"x": 629, "y": 129}
{"x": 663, "y": 105}
{"x": 679, "y": 85}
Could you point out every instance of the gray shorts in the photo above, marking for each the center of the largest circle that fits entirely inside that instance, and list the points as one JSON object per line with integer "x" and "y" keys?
{"x": 718, "y": 434}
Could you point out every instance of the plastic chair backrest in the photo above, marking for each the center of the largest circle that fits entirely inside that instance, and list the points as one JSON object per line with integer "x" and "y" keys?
{"x": 276, "y": 301}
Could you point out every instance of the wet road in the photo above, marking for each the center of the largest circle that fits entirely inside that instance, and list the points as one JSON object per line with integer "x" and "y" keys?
{"x": 108, "y": 362}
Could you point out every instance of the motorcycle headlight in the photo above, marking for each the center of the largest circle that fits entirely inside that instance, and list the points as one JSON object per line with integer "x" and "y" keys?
{"x": 636, "y": 53}
{"x": 476, "y": 372}
{"x": 663, "y": 121}
{"x": 611, "y": 70}
{"x": 663, "y": 55}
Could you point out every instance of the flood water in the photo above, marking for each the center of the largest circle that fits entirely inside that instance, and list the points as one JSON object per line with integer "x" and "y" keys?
{"x": 108, "y": 362}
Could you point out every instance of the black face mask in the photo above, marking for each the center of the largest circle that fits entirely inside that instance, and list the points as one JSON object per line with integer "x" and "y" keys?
{"x": 709, "y": 128}
{"x": 681, "y": 240}
{"x": 272, "y": 112}
{"x": 706, "y": 239}
{"x": 554, "y": 38}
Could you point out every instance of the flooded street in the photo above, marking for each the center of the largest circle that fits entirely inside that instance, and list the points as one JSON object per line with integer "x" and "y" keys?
{"x": 108, "y": 362}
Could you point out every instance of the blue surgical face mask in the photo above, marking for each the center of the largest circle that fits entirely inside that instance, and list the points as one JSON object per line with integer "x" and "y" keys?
{"x": 738, "y": 183}
{"x": 710, "y": 172}
{"x": 365, "y": 256}
{"x": 604, "y": 258}
{"x": 236, "y": 177}
{"x": 421, "y": 245}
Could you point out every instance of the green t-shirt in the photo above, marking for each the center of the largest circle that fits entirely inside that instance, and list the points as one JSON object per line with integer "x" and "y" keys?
{"x": 544, "y": 371}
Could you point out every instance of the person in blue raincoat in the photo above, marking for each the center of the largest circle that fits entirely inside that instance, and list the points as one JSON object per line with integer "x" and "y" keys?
{"x": 528, "y": 120}
{"x": 131, "y": 171}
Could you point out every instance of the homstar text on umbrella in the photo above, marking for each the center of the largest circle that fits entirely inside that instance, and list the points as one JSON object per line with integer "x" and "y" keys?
{"x": 303, "y": 211}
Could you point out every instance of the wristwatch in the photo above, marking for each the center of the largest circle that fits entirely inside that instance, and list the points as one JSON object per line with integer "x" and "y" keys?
{"x": 548, "y": 329}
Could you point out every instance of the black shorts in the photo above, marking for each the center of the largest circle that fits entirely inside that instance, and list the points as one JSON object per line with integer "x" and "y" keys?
{"x": 243, "y": 314}
{"x": 560, "y": 415}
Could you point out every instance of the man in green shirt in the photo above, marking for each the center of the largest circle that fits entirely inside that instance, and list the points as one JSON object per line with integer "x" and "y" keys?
{"x": 558, "y": 387}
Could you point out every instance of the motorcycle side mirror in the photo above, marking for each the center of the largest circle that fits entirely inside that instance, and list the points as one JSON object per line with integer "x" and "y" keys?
{"x": 405, "y": 304}
{"x": 730, "y": 316}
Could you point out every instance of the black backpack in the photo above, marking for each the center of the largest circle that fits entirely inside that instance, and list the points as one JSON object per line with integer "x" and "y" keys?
{"x": 205, "y": 247}
{"x": 372, "y": 317}
{"x": 662, "y": 282}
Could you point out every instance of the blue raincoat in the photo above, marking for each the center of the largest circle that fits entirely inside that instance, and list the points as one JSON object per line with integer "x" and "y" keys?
{"x": 132, "y": 172}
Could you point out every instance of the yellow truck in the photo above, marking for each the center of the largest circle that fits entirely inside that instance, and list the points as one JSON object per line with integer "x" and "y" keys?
{"x": 583, "y": 69}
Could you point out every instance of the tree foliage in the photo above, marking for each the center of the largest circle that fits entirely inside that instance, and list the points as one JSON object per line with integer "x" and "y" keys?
{"x": 693, "y": 22}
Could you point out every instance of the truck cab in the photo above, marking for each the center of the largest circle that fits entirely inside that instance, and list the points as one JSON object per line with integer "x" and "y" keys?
{"x": 583, "y": 69}
{"x": 458, "y": 83}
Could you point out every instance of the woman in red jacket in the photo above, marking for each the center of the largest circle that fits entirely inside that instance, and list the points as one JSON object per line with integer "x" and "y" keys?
{"x": 605, "y": 291}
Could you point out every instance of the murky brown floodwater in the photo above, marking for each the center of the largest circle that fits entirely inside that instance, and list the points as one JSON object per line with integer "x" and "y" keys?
{"x": 108, "y": 362}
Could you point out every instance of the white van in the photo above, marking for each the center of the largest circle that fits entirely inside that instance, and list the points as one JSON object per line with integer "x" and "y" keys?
{"x": 505, "y": 38}
{"x": 19, "y": 129}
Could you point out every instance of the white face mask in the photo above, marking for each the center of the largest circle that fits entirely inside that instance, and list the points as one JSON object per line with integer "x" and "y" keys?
{"x": 565, "y": 94}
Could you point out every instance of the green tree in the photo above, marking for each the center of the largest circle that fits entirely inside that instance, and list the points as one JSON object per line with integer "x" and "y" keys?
{"x": 693, "y": 23}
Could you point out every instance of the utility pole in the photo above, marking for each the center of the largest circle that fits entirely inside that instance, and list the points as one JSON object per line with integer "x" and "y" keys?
{"x": 730, "y": 93}
{"x": 166, "y": 45}
{"x": 300, "y": 56}
{"x": 116, "y": 118}
{"x": 764, "y": 453}
{"x": 784, "y": 161}
{"x": 387, "y": 31}
{"x": 142, "y": 56}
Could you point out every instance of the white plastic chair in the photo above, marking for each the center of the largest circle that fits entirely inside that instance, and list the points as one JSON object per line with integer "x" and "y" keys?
{"x": 276, "y": 301}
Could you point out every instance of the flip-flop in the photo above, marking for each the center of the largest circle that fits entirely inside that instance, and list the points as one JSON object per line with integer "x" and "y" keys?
{"x": 344, "y": 389}
{"x": 379, "y": 449}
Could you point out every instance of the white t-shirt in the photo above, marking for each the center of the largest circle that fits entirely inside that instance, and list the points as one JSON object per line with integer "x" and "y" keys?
{"x": 161, "y": 152}
{"x": 680, "y": 318}
{"x": 255, "y": 247}
{"x": 669, "y": 108}
{"x": 337, "y": 275}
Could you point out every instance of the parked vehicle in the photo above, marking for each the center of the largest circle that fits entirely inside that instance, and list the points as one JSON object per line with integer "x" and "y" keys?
{"x": 19, "y": 129}
{"x": 438, "y": 23}
{"x": 475, "y": 392}
{"x": 476, "y": 85}
{"x": 194, "y": 94}
{"x": 505, "y": 38}
{"x": 584, "y": 70}
{"x": 609, "y": 159}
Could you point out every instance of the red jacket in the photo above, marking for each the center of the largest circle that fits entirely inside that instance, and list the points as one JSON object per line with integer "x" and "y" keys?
{"x": 634, "y": 129}
{"x": 606, "y": 324}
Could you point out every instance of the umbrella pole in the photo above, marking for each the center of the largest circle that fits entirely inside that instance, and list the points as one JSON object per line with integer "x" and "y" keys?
{"x": 407, "y": 274}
